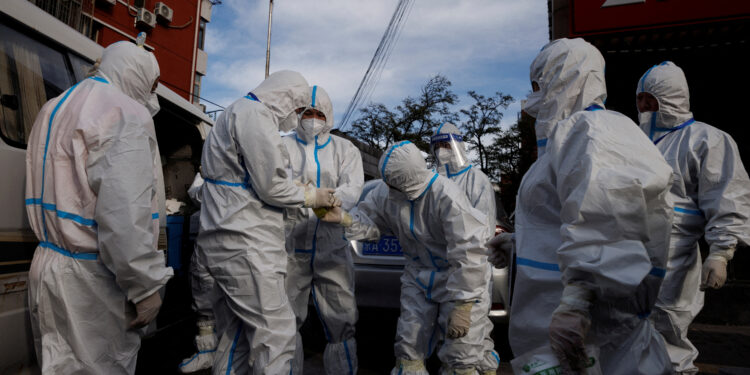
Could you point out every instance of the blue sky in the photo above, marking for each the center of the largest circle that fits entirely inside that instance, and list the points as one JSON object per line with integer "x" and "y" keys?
{"x": 481, "y": 45}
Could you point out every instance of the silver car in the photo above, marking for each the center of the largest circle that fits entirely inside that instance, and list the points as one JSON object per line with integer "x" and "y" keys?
{"x": 378, "y": 267}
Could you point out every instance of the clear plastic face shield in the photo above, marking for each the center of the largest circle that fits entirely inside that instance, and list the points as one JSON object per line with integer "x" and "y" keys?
{"x": 447, "y": 148}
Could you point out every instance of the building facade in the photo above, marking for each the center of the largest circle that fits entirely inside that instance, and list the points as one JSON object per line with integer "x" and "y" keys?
{"x": 176, "y": 31}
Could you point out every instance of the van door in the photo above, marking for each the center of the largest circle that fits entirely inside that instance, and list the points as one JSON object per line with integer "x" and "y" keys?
{"x": 31, "y": 73}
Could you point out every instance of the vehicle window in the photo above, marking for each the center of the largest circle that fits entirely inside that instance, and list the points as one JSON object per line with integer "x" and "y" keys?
{"x": 30, "y": 74}
{"x": 80, "y": 66}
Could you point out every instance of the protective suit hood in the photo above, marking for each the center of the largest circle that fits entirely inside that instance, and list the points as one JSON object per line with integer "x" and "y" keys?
{"x": 448, "y": 132}
{"x": 667, "y": 83}
{"x": 317, "y": 98}
{"x": 282, "y": 93}
{"x": 570, "y": 75}
{"x": 133, "y": 70}
{"x": 403, "y": 167}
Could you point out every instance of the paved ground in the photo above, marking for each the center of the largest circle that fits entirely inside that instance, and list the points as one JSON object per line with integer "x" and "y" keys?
{"x": 724, "y": 349}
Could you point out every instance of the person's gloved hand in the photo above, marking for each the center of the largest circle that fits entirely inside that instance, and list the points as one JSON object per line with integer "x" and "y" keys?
{"x": 460, "y": 320}
{"x": 321, "y": 197}
{"x": 714, "y": 273}
{"x": 499, "y": 249}
{"x": 146, "y": 310}
{"x": 570, "y": 324}
{"x": 337, "y": 216}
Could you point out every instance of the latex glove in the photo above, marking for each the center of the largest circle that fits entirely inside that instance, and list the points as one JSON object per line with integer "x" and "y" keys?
{"x": 714, "y": 273}
{"x": 568, "y": 328}
{"x": 500, "y": 248}
{"x": 321, "y": 197}
{"x": 146, "y": 310}
{"x": 459, "y": 320}
{"x": 337, "y": 216}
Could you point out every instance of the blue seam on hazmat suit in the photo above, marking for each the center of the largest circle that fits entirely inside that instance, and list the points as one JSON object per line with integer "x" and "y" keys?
{"x": 671, "y": 130}
{"x": 234, "y": 347}
{"x": 315, "y": 90}
{"x": 429, "y": 342}
{"x": 411, "y": 219}
{"x": 66, "y": 215}
{"x": 388, "y": 156}
{"x": 448, "y": 172}
{"x": 520, "y": 261}
{"x": 61, "y": 214}
{"x": 315, "y": 232}
{"x": 594, "y": 107}
{"x": 348, "y": 358}
{"x": 195, "y": 356}
{"x": 689, "y": 212}
{"x": 85, "y": 256}
{"x": 497, "y": 357}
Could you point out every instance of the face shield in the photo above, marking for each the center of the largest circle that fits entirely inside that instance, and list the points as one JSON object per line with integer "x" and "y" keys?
{"x": 447, "y": 148}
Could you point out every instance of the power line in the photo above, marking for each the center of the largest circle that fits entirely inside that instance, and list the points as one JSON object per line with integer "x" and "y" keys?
{"x": 188, "y": 92}
{"x": 382, "y": 53}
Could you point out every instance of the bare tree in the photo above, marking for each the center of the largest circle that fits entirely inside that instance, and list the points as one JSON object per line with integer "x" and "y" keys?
{"x": 482, "y": 122}
{"x": 411, "y": 120}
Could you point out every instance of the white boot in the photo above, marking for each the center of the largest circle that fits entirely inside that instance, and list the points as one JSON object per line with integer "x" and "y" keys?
{"x": 205, "y": 342}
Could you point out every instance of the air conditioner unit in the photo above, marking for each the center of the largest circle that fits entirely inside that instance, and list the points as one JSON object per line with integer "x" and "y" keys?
{"x": 163, "y": 12}
{"x": 145, "y": 18}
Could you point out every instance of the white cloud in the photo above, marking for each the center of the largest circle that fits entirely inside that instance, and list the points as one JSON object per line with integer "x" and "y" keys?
{"x": 485, "y": 45}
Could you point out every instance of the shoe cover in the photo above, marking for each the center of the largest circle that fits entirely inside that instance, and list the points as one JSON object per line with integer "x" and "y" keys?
{"x": 204, "y": 359}
{"x": 341, "y": 358}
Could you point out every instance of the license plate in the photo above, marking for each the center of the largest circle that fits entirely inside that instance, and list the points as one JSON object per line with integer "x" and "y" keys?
{"x": 388, "y": 245}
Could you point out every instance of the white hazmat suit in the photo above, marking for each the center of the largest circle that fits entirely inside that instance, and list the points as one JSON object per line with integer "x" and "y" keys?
{"x": 711, "y": 196}
{"x": 93, "y": 189}
{"x": 592, "y": 221}
{"x": 241, "y": 236}
{"x": 205, "y": 295}
{"x": 457, "y": 167}
{"x": 446, "y": 263}
{"x": 320, "y": 257}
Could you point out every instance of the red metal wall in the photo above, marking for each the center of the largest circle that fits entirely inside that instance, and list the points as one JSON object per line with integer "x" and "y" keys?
{"x": 173, "y": 48}
{"x": 590, "y": 17}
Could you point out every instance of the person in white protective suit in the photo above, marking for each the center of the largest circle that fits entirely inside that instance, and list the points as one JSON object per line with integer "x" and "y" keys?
{"x": 444, "y": 284}
{"x": 96, "y": 274}
{"x": 205, "y": 296}
{"x": 241, "y": 236}
{"x": 320, "y": 258}
{"x": 592, "y": 224}
{"x": 711, "y": 196}
{"x": 449, "y": 150}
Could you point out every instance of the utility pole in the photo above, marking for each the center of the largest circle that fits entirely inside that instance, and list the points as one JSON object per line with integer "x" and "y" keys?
{"x": 268, "y": 43}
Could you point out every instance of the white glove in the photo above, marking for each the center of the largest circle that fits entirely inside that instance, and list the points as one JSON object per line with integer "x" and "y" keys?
{"x": 714, "y": 272}
{"x": 459, "y": 321}
{"x": 568, "y": 328}
{"x": 321, "y": 197}
{"x": 147, "y": 310}
{"x": 337, "y": 216}
{"x": 500, "y": 248}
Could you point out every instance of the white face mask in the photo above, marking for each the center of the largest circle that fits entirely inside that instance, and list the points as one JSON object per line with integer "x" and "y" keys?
{"x": 444, "y": 156}
{"x": 153, "y": 105}
{"x": 312, "y": 126}
{"x": 644, "y": 118}
{"x": 533, "y": 103}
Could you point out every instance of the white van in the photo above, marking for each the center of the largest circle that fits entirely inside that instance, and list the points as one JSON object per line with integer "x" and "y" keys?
{"x": 40, "y": 57}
